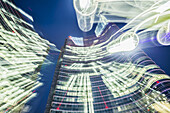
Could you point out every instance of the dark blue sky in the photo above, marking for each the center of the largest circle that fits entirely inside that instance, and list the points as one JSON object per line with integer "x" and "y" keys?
{"x": 56, "y": 20}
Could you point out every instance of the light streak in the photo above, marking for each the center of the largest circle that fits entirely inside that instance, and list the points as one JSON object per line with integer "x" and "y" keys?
{"x": 106, "y": 107}
{"x": 58, "y": 108}
{"x": 19, "y": 101}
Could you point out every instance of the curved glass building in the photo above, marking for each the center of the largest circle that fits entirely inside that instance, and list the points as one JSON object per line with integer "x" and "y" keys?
{"x": 90, "y": 79}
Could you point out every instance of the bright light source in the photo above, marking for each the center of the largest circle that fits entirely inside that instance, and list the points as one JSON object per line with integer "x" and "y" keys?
{"x": 84, "y": 4}
{"x": 127, "y": 42}
{"x": 163, "y": 35}
{"x": 163, "y": 7}
{"x": 69, "y": 37}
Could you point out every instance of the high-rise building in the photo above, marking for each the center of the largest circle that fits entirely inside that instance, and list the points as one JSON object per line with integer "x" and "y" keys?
{"x": 90, "y": 79}
{"x": 22, "y": 51}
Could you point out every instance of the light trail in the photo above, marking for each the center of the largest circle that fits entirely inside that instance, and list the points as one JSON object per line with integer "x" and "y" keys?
{"x": 19, "y": 101}
{"x": 58, "y": 108}
{"x": 106, "y": 107}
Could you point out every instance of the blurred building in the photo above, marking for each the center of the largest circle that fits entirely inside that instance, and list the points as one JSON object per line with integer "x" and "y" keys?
{"x": 22, "y": 51}
{"x": 89, "y": 79}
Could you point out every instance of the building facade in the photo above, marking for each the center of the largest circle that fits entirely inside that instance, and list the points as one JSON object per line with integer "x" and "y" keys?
{"x": 22, "y": 51}
{"x": 89, "y": 79}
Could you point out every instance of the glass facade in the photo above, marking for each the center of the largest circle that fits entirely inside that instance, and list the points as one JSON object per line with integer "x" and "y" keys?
{"x": 92, "y": 80}
{"x": 22, "y": 51}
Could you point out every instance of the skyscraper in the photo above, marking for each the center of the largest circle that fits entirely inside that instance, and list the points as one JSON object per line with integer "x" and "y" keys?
{"x": 90, "y": 79}
{"x": 22, "y": 51}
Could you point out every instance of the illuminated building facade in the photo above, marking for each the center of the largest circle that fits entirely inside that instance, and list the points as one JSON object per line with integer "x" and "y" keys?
{"x": 22, "y": 51}
{"x": 90, "y": 79}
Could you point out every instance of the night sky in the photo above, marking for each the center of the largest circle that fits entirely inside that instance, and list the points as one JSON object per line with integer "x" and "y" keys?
{"x": 55, "y": 20}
